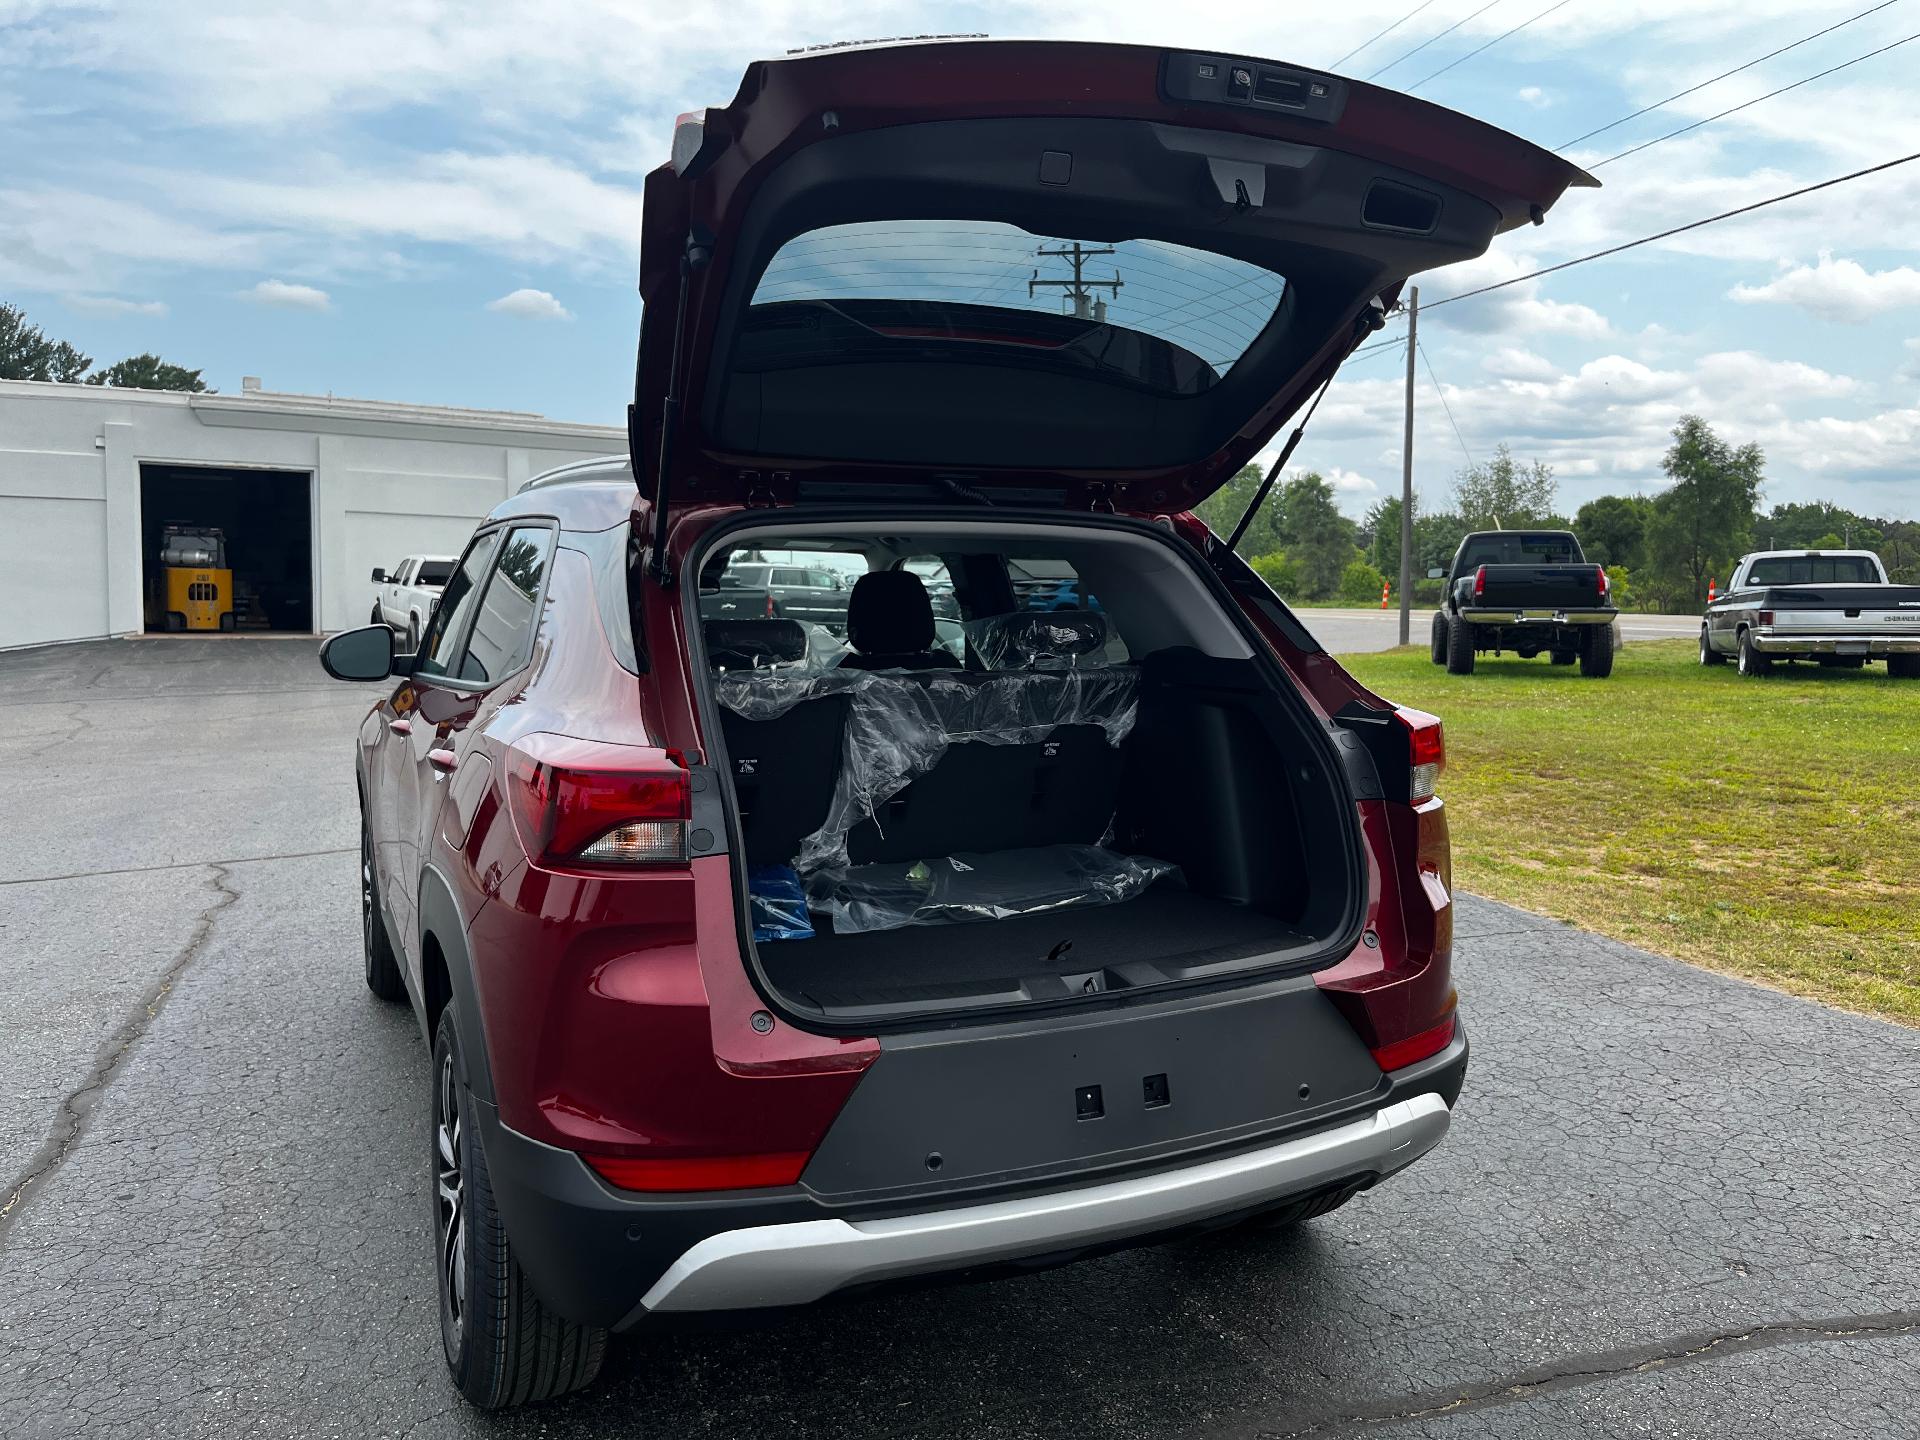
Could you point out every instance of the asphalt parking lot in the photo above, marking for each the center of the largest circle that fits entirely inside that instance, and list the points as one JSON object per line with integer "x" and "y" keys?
{"x": 1672, "y": 1203}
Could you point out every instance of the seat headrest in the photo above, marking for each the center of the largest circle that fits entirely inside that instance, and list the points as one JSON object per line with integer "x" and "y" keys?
{"x": 753, "y": 644}
{"x": 1034, "y": 637}
{"x": 889, "y": 613}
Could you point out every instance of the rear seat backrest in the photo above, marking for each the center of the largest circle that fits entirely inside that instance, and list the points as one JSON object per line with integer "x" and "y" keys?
{"x": 784, "y": 770}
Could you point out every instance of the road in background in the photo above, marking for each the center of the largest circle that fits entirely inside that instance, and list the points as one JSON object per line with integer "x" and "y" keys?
{"x": 1671, "y": 1203}
{"x": 1345, "y": 632}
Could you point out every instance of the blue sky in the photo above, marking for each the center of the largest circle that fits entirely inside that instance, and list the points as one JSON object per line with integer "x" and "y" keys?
{"x": 435, "y": 203}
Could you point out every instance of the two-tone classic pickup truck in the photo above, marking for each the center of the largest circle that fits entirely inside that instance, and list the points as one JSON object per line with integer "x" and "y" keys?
{"x": 1835, "y": 607}
{"x": 1524, "y": 591}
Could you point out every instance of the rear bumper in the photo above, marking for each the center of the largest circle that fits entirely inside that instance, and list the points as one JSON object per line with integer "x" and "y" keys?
{"x": 1531, "y": 616}
{"x": 798, "y": 1263}
{"x": 1770, "y": 643}
{"x": 610, "y": 1258}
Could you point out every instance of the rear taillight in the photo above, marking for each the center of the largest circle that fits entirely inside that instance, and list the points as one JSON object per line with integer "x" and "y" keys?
{"x": 1415, "y": 1048}
{"x": 1426, "y": 752}
{"x": 769, "y": 607}
{"x": 1766, "y": 617}
{"x": 578, "y": 802}
{"x": 1603, "y": 582}
{"x": 1480, "y": 582}
{"x": 699, "y": 1172}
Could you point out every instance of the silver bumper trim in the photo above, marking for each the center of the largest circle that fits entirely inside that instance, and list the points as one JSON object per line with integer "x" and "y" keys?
{"x": 1769, "y": 644}
{"x": 801, "y": 1262}
{"x": 1483, "y": 616}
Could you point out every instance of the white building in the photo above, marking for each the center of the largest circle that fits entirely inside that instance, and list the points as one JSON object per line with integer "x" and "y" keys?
{"x": 312, "y": 493}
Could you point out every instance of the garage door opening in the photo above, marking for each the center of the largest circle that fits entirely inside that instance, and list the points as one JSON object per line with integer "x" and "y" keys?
{"x": 226, "y": 549}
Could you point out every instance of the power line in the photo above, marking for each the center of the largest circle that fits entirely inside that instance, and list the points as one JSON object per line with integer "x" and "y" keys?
{"x": 1381, "y": 36}
{"x": 1681, "y": 95}
{"x": 1681, "y": 229}
{"x": 1684, "y": 129}
{"x": 1495, "y": 41}
{"x": 1430, "y": 39}
{"x": 1464, "y": 450}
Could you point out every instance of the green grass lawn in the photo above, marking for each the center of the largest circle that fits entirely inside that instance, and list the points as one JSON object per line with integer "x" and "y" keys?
{"x": 1767, "y": 827}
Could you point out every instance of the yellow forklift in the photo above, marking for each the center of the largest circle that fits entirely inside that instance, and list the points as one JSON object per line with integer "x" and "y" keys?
{"x": 196, "y": 587}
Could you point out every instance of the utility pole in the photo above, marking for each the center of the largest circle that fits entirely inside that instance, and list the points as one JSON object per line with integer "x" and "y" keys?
{"x": 1406, "y": 478}
{"x": 1085, "y": 307}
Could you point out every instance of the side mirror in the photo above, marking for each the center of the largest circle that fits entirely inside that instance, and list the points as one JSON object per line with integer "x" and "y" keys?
{"x": 379, "y": 576}
{"x": 363, "y": 654}
{"x": 1436, "y": 574}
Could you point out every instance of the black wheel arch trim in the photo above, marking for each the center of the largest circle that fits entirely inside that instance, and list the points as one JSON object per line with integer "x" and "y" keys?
{"x": 441, "y": 916}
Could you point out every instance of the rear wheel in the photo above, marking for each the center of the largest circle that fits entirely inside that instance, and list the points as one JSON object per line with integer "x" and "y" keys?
{"x": 503, "y": 1346}
{"x": 176, "y": 621}
{"x": 1709, "y": 655}
{"x": 1752, "y": 662}
{"x": 226, "y": 621}
{"x": 1459, "y": 647}
{"x": 1904, "y": 667}
{"x": 1596, "y": 652}
{"x": 378, "y": 618}
{"x": 383, "y": 966}
{"x": 1437, "y": 642}
{"x": 413, "y": 635}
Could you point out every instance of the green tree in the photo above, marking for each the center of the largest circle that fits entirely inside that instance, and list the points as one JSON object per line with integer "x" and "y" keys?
{"x": 1222, "y": 510}
{"x": 1314, "y": 532}
{"x": 1613, "y": 530}
{"x": 1704, "y": 520}
{"x": 148, "y": 372}
{"x": 1502, "y": 494}
{"x": 1360, "y": 583}
{"x": 1807, "y": 526}
{"x": 26, "y": 353}
{"x": 1280, "y": 571}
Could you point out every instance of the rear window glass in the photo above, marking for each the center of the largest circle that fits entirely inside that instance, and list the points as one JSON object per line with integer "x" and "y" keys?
{"x": 1518, "y": 549}
{"x": 1813, "y": 570}
{"x": 993, "y": 284}
{"x": 434, "y": 572}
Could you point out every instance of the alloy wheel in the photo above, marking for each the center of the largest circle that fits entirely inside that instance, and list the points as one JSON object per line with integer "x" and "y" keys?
{"x": 366, "y": 890}
{"x": 449, "y": 1204}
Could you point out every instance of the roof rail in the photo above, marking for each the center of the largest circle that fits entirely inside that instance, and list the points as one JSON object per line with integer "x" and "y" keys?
{"x": 595, "y": 468}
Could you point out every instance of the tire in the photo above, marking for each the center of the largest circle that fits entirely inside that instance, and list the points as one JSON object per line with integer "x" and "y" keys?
{"x": 1709, "y": 655}
{"x": 503, "y": 1346}
{"x": 1565, "y": 657}
{"x": 1459, "y": 647}
{"x": 1437, "y": 642}
{"x": 1596, "y": 652}
{"x": 383, "y": 965}
{"x": 413, "y": 636}
{"x": 176, "y": 622}
{"x": 226, "y": 621}
{"x": 1904, "y": 667}
{"x": 1751, "y": 661}
{"x": 378, "y": 618}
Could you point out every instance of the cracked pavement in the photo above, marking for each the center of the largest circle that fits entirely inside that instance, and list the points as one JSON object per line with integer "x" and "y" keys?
{"x": 1672, "y": 1203}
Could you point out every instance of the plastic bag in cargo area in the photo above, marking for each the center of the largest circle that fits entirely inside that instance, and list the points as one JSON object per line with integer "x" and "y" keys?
{"x": 978, "y": 887}
{"x": 779, "y": 903}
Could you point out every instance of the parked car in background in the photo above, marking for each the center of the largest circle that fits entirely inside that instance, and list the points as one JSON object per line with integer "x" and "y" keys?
{"x": 1526, "y": 591}
{"x": 1834, "y": 607}
{"x": 408, "y": 593}
{"x": 809, "y": 593}
{"x": 972, "y": 1053}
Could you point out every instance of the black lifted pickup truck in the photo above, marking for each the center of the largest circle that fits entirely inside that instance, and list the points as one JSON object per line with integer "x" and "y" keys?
{"x": 1524, "y": 591}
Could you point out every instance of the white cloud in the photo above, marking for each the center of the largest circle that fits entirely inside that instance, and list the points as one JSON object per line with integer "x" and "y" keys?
{"x": 1533, "y": 95}
{"x": 533, "y": 304}
{"x": 1511, "y": 362}
{"x": 287, "y": 295}
{"x": 1842, "y": 290}
{"x": 115, "y": 305}
{"x": 1518, "y": 310}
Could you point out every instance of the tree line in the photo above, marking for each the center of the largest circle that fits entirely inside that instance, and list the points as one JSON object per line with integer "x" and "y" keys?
{"x": 28, "y": 353}
{"x": 1661, "y": 551}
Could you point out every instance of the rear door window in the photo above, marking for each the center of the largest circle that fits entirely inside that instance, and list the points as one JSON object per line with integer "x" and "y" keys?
{"x": 501, "y": 640}
{"x": 457, "y": 604}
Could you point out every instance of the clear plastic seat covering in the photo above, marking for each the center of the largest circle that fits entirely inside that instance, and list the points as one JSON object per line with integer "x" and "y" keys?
{"x": 900, "y": 723}
{"x": 1039, "y": 640}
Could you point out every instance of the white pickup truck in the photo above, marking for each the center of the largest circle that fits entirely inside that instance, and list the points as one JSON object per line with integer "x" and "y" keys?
{"x": 408, "y": 593}
{"x": 1835, "y": 607}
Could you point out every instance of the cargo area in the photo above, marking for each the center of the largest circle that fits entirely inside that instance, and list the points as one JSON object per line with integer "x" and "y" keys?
{"x": 1041, "y": 765}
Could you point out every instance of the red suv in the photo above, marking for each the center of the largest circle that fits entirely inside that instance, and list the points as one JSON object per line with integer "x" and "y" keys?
{"x": 760, "y": 963}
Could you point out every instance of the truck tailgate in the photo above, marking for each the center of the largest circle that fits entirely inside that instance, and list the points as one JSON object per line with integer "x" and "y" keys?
{"x": 1538, "y": 586}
